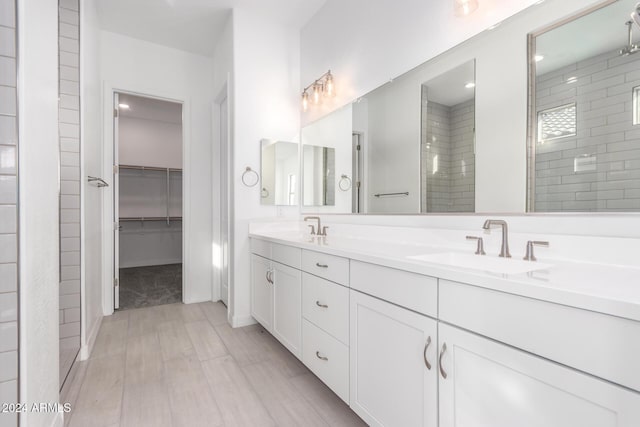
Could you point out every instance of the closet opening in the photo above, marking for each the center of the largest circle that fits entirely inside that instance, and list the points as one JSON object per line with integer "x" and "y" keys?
{"x": 147, "y": 201}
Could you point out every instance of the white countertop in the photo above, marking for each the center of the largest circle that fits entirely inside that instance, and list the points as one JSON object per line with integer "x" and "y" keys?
{"x": 608, "y": 289}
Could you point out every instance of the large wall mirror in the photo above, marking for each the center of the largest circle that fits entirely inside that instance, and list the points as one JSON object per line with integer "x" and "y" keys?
{"x": 279, "y": 173}
{"x": 451, "y": 135}
{"x": 585, "y": 135}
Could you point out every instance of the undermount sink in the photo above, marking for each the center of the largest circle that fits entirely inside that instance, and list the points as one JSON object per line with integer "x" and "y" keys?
{"x": 482, "y": 262}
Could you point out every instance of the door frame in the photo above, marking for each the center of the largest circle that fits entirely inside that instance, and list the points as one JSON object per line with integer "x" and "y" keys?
{"x": 109, "y": 89}
{"x": 222, "y": 94}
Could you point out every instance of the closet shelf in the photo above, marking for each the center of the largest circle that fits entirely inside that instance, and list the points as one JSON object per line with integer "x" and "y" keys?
{"x": 150, "y": 218}
{"x": 148, "y": 168}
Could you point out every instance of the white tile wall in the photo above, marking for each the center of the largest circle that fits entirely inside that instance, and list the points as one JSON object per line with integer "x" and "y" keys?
{"x": 70, "y": 179}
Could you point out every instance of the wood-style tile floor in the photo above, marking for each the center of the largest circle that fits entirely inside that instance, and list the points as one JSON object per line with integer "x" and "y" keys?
{"x": 183, "y": 365}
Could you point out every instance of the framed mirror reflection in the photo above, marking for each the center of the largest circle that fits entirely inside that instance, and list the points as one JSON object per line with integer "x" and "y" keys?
{"x": 279, "y": 173}
{"x": 585, "y": 133}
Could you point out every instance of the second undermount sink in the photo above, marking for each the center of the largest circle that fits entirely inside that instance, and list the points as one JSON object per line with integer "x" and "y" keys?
{"x": 482, "y": 262}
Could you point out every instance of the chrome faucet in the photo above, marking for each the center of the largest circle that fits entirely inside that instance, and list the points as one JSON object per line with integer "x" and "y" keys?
{"x": 504, "y": 250}
{"x": 321, "y": 231}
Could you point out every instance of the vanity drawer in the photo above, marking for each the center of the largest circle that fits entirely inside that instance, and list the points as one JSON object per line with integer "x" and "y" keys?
{"x": 602, "y": 345}
{"x": 326, "y": 304}
{"x": 410, "y": 290}
{"x": 327, "y": 357}
{"x": 287, "y": 255}
{"x": 330, "y": 267}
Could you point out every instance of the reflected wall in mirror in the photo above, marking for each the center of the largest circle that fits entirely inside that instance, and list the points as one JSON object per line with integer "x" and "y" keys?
{"x": 326, "y": 157}
{"x": 279, "y": 173}
{"x": 319, "y": 164}
{"x": 585, "y": 138}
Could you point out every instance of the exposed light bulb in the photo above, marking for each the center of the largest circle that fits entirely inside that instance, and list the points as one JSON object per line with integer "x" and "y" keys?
{"x": 465, "y": 7}
{"x": 316, "y": 93}
{"x": 124, "y": 106}
{"x": 305, "y": 101}
{"x": 328, "y": 85}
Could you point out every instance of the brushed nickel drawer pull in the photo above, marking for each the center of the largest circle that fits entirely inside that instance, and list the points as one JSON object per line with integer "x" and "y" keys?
{"x": 424, "y": 353}
{"x": 321, "y": 265}
{"x": 321, "y": 305}
{"x": 321, "y": 357}
{"x": 442, "y": 372}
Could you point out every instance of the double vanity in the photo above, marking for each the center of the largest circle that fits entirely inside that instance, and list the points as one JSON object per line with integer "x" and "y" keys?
{"x": 415, "y": 334}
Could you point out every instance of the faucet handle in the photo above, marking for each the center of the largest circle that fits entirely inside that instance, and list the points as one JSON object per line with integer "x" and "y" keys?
{"x": 324, "y": 231}
{"x": 529, "y": 256}
{"x": 313, "y": 229}
{"x": 480, "y": 247}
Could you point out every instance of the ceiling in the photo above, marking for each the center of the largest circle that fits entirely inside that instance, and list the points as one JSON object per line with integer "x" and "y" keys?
{"x": 601, "y": 31}
{"x": 150, "y": 109}
{"x": 449, "y": 88}
{"x": 193, "y": 25}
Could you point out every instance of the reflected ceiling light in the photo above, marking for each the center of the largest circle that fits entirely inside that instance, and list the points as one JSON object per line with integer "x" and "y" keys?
{"x": 470, "y": 85}
{"x": 465, "y": 7}
{"x": 324, "y": 86}
{"x": 572, "y": 79}
{"x": 124, "y": 106}
{"x": 538, "y": 58}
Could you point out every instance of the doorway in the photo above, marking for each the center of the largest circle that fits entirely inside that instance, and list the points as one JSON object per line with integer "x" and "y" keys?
{"x": 148, "y": 201}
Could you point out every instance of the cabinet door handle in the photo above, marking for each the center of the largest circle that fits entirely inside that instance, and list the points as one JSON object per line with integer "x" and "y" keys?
{"x": 321, "y": 357}
{"x": 321, "y": 305}
{"x": 321, "y": 265}
{"x": 442, "y": 372}
{"x": 270, "y": 276}
{"x": 267, "y": 276}
{"x": 424, "y": 353}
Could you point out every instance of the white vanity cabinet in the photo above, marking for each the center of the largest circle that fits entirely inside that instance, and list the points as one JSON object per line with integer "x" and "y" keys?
{"x": 276, "y": 292}
{"x": 495, "y": 385}
{"x": 393, "y": 364}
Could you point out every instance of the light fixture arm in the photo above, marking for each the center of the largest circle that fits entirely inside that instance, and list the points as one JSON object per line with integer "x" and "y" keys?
{"x": 320, "y": 80}
{"x": 321, "y": 86}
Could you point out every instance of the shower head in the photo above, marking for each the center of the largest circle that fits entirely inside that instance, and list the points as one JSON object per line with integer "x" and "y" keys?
{"x": 635, "y": 15}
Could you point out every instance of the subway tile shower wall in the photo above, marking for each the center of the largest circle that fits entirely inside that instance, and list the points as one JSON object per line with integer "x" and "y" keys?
{"x": 8, "y": 212}
{"x": 70, "y": 181}
{"x": 448, "y": 158}
{"x": 598, "y": 169}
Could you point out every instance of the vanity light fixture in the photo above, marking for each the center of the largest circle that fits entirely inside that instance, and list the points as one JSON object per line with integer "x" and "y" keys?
{"x": 124, "y": 106}
{"x": 465, "y": 7}
{"x": 323, "y": 86}
{"x": 470, "y": 85}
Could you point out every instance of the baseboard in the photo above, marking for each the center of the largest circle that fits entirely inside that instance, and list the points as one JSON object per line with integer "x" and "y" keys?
{"x": 240, "y": 321}
{"x": 85, "y": 350}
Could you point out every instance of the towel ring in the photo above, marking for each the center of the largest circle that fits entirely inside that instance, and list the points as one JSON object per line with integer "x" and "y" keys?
{"x": 250, "y": 177}
{"x": 264, "y": 193}
{"x": 345, "y": 183}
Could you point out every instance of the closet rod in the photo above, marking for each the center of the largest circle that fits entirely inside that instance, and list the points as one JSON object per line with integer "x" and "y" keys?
{"x": 150, "y": 218}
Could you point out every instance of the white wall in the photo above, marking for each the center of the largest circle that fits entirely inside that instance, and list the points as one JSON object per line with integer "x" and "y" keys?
{"x": 147, "y": 142}
{"x": 265, "y": 105}
{"x": 91, "y": 164}
{"x": 131, "y": 65}
{"x": 334, "y": 132}
{"x": 38, "y": 205}
{"x": 362, "y": 58}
